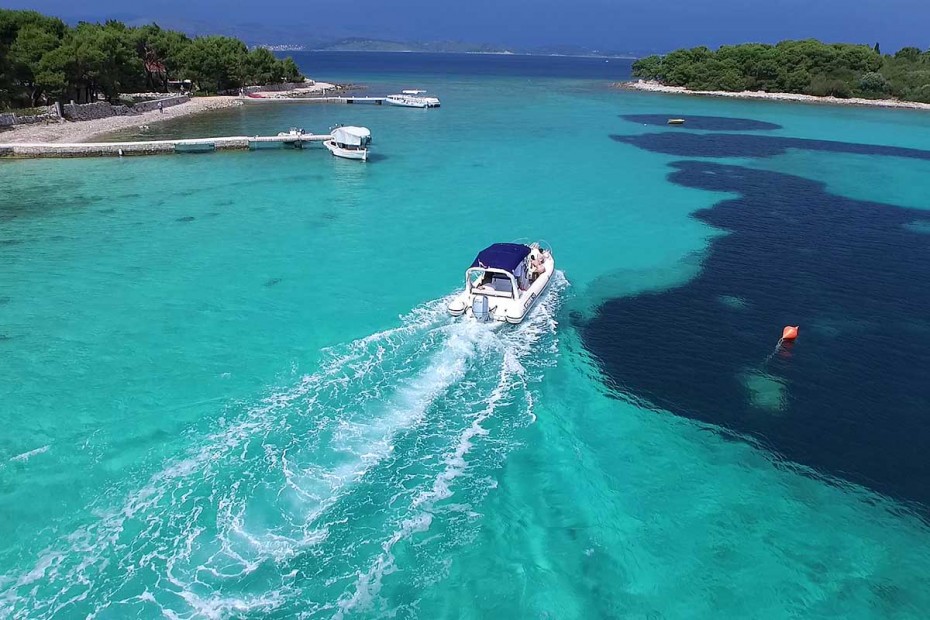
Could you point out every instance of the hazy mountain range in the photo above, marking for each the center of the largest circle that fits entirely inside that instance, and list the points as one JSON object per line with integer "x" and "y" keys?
{"x": 625, "y": 26}
{"x": 304, "y": 37}
{"x": 358, "y": 44}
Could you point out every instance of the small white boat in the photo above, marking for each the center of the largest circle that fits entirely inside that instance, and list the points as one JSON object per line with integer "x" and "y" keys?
{"x": 404, "y": 101}
{"x": 504, "y": 282}
{"x": 349, "y": 142}
{"x": 412, "y": 99}
{"x": 293, "y": 132}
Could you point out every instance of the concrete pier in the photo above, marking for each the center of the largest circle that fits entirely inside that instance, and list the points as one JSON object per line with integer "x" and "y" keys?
{"x": 155, "y": 147}
{"x": 349, "y": 100}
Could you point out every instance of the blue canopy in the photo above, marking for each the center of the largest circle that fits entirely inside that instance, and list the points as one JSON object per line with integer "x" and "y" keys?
{"x": 506, "y": 256}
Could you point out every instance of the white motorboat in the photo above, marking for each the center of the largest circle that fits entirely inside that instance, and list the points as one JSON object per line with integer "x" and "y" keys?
{"x": 404, "y": 101}
{"x": 293, "y": 132}
{"x": 412, "y": 99}
{"x": 349, "y": 142}
{"x": 504, "y": 282}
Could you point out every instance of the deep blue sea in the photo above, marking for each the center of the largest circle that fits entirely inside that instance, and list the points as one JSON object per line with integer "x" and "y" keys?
{"x": 229, "y": 387}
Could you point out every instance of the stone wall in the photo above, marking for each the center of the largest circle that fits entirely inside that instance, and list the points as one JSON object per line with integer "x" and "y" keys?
{"x": 90, "y": 111}
{"x": 167, "y": 102}
{"x": 11, "y": 118}
{"x": 102, "y": 109}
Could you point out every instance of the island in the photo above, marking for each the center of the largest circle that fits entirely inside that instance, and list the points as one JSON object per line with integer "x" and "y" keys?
{"x": 793, "y": 70}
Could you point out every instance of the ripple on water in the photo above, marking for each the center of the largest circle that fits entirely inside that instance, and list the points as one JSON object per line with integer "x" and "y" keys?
{"x": 734, "y": 145}
{"x": 307, "y": 501}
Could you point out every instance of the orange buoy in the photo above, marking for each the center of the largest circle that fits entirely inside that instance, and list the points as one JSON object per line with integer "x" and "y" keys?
{"x": 790, "y": 332}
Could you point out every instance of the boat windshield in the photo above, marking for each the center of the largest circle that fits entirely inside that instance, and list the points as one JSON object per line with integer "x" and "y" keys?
{"x": 492, "y": 283}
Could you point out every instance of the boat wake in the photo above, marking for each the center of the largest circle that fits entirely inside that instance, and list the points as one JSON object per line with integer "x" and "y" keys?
{"x": 304, "y": 502}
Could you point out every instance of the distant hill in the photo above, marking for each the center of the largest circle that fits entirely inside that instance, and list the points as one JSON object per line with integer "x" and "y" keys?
{"x": 293, "y": 37}
{"x": 359, "y": 44}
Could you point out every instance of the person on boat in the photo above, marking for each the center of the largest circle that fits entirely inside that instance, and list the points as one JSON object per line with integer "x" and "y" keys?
{"x": 537, "y": 265}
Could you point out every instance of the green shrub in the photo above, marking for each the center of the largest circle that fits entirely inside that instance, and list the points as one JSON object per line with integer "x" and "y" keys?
{"x": 808, "y": 66}
{"x": 43, "y": 59}
{"x": 921, "y": 94}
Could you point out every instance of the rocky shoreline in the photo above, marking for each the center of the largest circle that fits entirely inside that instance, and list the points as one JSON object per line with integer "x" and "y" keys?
{"x": 63, "y": 131}
{"x": 656, "y": 87}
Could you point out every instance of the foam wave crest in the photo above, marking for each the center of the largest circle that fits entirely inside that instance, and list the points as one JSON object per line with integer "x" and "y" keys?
{"x": 295, "y": 504}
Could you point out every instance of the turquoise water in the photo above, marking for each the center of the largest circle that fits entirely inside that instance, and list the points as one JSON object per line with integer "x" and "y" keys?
{"x": 229, "y": 387}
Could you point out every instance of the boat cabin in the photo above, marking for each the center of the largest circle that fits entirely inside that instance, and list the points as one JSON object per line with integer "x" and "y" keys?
{"x": 503, "y": 282}
{"x": 413, "y": 98}
{"x": 352, "y": 138}
{"x": 500, "y": 270}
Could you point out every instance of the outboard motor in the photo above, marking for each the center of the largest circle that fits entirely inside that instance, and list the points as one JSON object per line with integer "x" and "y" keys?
{"x": 479, "y": 308}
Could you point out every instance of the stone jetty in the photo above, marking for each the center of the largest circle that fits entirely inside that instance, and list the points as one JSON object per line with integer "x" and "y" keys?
{"x": 155, "y": 147}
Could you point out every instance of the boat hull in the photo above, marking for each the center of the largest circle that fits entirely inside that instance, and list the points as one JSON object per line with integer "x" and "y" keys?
{"x": 412, "y": 100}
{"x": 338, "y": 151}
{"x": 405, "y": 104}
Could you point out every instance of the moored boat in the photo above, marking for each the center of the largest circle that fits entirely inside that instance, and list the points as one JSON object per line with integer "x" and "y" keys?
{"x": 403, "y": 101}
{"x": 412, "y": 99}
{"x": 504, "y": 282}
{"x": 349, "y": 142}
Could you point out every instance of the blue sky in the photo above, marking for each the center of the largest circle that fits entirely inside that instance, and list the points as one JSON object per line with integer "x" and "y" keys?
{"x": 620, "y": 25}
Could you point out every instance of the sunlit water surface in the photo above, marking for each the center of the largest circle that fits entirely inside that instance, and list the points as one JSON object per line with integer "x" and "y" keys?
{"x": 229, "y": 386}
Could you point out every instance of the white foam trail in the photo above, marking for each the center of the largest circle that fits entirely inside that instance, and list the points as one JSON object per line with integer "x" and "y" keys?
{"x": 190, "y": 526}
{"x": 518, "y": 345}
{"x": 170, "y": 500}
{"x": 25, "y": 456}
{"x": 773, "y": 353}
{"x": 368, "y": 584}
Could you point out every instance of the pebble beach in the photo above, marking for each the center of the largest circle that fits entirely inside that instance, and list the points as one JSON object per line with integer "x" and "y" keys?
{"x": 84, "y": 131}
{"x": 90, "y": 130}
{"x": 657, "y": 87}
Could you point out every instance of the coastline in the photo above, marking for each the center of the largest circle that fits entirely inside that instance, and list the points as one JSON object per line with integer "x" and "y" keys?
{"x": 497, "y": 53}
{"x": 656, "y": 87}
{"x": 86, "y": 131}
